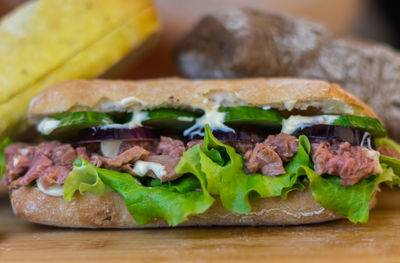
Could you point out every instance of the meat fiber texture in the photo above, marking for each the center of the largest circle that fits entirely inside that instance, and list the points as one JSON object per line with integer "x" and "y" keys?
{"x": 238, "y": 43}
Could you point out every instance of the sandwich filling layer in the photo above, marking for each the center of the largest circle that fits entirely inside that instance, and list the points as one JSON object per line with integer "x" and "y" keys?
{"x": 52, "y": 161}
{"x": 162, "y": 158}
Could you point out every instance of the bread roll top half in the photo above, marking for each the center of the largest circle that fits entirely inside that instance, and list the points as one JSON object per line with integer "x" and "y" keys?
{"x": 285, "y": 94}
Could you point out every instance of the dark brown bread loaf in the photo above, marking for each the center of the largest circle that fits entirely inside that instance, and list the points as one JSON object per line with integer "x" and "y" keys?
{"x": 245, "y": 43}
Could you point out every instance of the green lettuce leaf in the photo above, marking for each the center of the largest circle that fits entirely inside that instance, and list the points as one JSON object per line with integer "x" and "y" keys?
{"x": 390, "y": 162}
{"x": 387, "y": 175}
{"x": 144, "y": 203}
{"x": 299, "y": 186}
{"x": 347, "y": 201}
{"x": 7, "y": 141}
{"x": 83, "y": 178}
{"x": 181, "y": 185}
{"x": 223, "y": 170}
{"x": 390, "y": 165}
{"x": 387, "y": 142}
{"x": 390, "y": 174}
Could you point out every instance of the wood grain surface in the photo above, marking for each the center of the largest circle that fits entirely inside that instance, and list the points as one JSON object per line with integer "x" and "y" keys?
{"x": 339, "y": 241}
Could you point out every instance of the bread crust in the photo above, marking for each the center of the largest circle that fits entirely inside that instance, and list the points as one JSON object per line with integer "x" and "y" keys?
{"x": 281, "y": 93}
{"x": 109, "y": 211}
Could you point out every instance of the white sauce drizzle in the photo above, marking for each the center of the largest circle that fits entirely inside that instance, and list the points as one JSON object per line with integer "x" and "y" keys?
{"x": 48, "y": 125}
{"x": 212, "y": 117}
{"x": 294, "y": 122}
{"x": 374, "y": 155}
{"x": 55, "y": 190}
{"x": 142, "y": 167}
{"x": 366, "y": 140}
{"x": 110, "y": 149}
{"x": 138, "y": 117}
{"x": 185, "y": 119}
{"x": 289, "y": 105}
{"x": 16, "y": 161}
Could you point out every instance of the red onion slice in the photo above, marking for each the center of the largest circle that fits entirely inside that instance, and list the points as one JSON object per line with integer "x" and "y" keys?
{"x": 240, "y": 134}
{"x": 98, "y": 134}
{"x": 337, "y": 133}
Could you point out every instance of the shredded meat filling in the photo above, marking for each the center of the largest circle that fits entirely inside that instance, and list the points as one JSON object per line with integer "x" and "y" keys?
{"x": 283, "y": 144}
{"x": 263, "y": 159}
{"x": 351, "y": 163}
{"x": 52, "y": 161}
{"x": 170, "y": 147}
{"x": 389, "y": 151}
{"x": 268, "y": 157}
{"x": 55, "y": 174}
{"x": 129, "y": 156}
{"x": 38, "y": 165}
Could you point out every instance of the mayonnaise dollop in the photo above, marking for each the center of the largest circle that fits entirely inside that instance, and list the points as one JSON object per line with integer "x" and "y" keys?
{"x": 142, "y": 167}
{"x": 55, "y": 190}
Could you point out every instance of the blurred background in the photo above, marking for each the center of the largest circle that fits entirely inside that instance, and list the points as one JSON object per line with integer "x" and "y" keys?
{"x": 373, "y": 20}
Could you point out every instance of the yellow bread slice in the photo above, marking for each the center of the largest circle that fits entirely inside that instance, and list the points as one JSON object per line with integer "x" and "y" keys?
{"x": 48, "y": 41}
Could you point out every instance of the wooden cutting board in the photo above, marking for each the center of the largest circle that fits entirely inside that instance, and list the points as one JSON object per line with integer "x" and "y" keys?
{"x": 339, "y": 241}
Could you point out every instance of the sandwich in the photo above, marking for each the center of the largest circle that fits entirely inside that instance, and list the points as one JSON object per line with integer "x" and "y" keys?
{"x": 175, "y": 152}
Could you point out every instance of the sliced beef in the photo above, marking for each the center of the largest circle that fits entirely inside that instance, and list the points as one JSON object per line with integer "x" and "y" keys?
{"x": 283, "y": 144}
{"x": 171, "y": 147}
{"x": 13, "y": 172}
{"x": 268, "y": 157}
{"x": 351, "y": 163}
{"x": 51, "y": 160}
{"x": 19, "y": 160}
{"x": 12, "y": 150}
{"x": 126, "y": 145}
{"x": 47, "y": 147}
{"x": 129, "y": 156}
{"x": 263, "y": 159}
{"x": 167, "y": 161}
{"x": 82, "y": 153}
{"x": 39, "y": 163}
{"x": 96, "y": 160}
{"x": 55, "y": 174}
{"x": 389, "y": 151}
{"x": 241, "y": 147}
{"x": 63, "y": 155}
